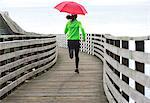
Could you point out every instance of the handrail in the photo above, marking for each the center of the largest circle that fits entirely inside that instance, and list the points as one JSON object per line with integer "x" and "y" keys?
{"x": 24, "y": 57}
{"x": 122, "y": 82}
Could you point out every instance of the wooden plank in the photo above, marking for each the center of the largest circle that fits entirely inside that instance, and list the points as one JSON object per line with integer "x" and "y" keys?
{"x": 24, "y": 51}
{"x": 24, "y": 60}
{"x": 135, "y": 75}
{"x": 127, "y": 38}
{"x": 115, "y": 92}
{"x": 139, "y": 98}
{"x": 134, "y": 55}
{"x": 80, "y": 99}
{"x": 62, "y": 85}
{"x": 17, "y": 43}
{"x": 9, "y": 36}
{"x": 23, "y": 78}
{"x": 23, "y": 69}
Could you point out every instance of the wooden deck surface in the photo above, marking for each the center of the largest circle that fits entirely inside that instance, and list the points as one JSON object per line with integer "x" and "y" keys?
{"x": 62, "y": 85}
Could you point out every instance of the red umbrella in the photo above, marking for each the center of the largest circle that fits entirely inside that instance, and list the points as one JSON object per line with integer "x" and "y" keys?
{"x": 71, "y": 7}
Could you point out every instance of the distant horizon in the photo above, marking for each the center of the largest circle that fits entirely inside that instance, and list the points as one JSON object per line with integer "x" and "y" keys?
{"x": 118, "y": 18}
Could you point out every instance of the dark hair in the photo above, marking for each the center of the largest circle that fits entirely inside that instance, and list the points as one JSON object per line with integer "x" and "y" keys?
{"x": 72, "y": 17}
{"x": 68, "y": 17}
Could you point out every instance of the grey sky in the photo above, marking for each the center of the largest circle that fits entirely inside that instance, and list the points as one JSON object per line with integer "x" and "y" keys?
{"x": 117, "y": 17}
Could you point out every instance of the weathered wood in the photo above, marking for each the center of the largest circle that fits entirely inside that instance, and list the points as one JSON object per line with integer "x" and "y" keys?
{"x": 101, "y": 45}
{"x": 19, "y": 43}
{"x": 24, "y": 51}
{"x": 135, "y": 55}
{"x": 127, "y": 37}
{"x": 24, "y": 60}
{"x": 26, "y": 76}
{"x": 139, "y": 98}
{"x": 135, "y": 75}
{"x": 62, "y": 85}
{"x": 22, "y": 36}
{"x": 23, "y": 69}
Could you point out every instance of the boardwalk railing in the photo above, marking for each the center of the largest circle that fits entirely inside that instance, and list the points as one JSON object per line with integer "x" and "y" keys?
{"x": 125, "y": 76}
{"x": 23, "y": 57}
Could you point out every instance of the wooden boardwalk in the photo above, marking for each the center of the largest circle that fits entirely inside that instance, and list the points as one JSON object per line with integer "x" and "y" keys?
{"x": 62, "y": 85}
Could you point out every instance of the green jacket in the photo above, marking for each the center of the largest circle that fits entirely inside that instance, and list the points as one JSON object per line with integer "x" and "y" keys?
{"x": 72, "y": 30}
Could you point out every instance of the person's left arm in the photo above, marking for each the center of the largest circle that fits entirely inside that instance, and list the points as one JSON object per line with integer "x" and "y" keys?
{"x": 83, "y": 32}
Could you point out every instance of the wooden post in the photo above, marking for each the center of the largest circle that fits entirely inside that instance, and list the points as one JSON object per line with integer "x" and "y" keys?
{"x": 139, "y": 66}
{"x": 117, "y": 58}
{"x": 125, "y": 61}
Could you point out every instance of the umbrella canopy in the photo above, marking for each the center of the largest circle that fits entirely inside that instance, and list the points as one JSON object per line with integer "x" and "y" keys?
{"x": 71, "y": 7}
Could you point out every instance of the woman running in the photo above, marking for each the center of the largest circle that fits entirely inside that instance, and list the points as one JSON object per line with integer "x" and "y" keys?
{"x": 72, "y": 29}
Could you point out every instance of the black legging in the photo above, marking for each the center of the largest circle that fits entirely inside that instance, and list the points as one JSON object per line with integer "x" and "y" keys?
{"x": 74, "y": 45}
{"x": 76, "y": 55}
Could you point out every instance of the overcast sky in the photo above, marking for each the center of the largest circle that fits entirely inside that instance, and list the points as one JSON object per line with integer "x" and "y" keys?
{"x": 116, "y": 17}
{"x": 44, "y": 3}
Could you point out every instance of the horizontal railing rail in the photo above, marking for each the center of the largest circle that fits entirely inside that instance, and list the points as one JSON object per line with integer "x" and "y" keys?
{"x": 126, "y": 62}
{"x": 23, "y": 57}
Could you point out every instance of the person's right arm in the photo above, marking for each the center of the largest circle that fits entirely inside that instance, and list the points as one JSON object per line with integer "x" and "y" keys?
{"x": 66, "y": 29}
